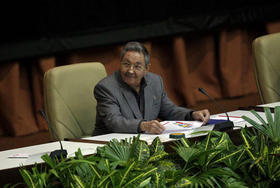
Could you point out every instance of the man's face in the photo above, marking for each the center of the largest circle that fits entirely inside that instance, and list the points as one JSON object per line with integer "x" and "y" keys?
{"x": 133, "y": 69}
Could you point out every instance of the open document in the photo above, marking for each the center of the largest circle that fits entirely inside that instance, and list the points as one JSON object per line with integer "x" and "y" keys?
{"x": 180, "y": 126}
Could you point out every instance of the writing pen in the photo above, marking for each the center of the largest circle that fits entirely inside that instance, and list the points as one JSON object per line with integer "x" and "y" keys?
{"x": 164, "y": 123}
{"x": 179, "y": 122}
{"x": 230, "y": 116}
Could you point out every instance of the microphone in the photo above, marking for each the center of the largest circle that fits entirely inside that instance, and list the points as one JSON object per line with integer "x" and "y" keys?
{"x": 61, "y": 153}
{"x": 222, "y": 126}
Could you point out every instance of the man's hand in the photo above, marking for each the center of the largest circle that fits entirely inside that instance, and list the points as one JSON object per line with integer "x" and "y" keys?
{"x": 152, "y": 127}
{"x": 201, "y": 115}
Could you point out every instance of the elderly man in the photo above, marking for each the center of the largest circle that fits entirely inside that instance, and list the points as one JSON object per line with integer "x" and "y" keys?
{"x": 132, "y": 99}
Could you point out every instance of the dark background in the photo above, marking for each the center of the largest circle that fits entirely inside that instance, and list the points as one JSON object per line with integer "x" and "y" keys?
{"x": 47, "y": 27}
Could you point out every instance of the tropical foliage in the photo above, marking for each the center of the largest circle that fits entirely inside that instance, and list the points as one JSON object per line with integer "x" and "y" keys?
{"x": 263, "y": 148}
{"x": 213, "y": 162}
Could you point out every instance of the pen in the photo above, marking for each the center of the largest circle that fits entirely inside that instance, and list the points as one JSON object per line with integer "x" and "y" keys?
{"x": 179, "y": 122}
{"x": 230, "y": 116}
{"x": 165, "y": 123}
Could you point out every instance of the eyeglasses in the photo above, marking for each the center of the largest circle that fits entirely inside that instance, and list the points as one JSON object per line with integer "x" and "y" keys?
{"x": 137, "y": 67}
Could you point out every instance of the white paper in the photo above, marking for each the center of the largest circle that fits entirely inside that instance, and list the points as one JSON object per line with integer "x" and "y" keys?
{"x": 19, "y": 155}
{"x": 180, "y": 126}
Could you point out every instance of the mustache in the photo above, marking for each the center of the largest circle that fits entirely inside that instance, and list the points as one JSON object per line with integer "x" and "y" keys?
{"x": 129, "y": 74}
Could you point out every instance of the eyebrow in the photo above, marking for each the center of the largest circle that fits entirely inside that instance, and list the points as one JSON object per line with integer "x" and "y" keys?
{"x": 137, "y": 63}
{"x": 126, "y": 60}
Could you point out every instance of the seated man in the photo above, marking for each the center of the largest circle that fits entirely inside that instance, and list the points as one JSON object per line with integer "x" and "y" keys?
{"x": 132, "y": 99}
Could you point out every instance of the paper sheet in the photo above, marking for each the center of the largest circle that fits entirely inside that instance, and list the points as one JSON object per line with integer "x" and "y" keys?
{"x": 19, "y": 155}
{"x": 180, "y": 126}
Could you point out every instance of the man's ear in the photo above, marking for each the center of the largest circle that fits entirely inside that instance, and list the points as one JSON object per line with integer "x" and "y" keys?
{"x": 148, "y": 67}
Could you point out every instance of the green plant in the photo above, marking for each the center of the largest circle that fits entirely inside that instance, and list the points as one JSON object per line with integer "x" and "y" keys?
{"x": 271, "y": 128}
{"x": 213, "y": 162}
{"x": 128, "y": 163}
{"x": 205, "y": 162}
{"x": 263, "y": 147}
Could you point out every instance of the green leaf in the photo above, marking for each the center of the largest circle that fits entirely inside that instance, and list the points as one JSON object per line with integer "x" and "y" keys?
{"x": 270, "y": 124}
{"x": 116, "y": 151}
{"x": 184, "y": 182}
{"x": 79, "y": 182}
{"x": 227, "y": 156}
{"x": 166, "y": 165}
{"x": 270, "y": 129}
{"x": 258, "y": 116}
{"x": 26, "y": 175}
{"x": 127, "y": 171}
{"x": 106, "y": 177}
{"x": 184, "y": 141}
{"x": 13, "y": 186}
{"x": 268, "y": 116}
{"x": 254, "y": 124}
{"x": 277, "y": 122}
{"x": 145, "y": 182}
{"x": 54, "y": 172}
{"x": 49, "y": 160}
{"x": 103, "y": 165}
{"x": 233, "y": 183}
{"x": 188, "y": 154}
{"x": 79, "y": 154}
{"x": 140, "y": 176}
{"x": 207, "y": 141}
{"x": 142, "y": 151}
{"x": 157, "y": 156}
{"x": 156, "y": 146}
{"x": 245, "y": 138}
{"x": 95, "y": 171}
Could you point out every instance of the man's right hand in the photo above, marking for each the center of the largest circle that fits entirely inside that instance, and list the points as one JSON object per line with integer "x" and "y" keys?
{"x": 152, "y": 127}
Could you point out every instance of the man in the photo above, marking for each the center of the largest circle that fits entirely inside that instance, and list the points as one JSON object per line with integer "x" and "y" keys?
{"x": 132, "y": 99}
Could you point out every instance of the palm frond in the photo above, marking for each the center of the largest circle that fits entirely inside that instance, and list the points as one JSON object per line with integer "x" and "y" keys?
{"x": 116, "y": 151}
{"x": 277, "y": 121}
{"x": 26, "y": 175}
{"x": 187, "y": 154}
{"x": 271, "y": 129}
{"x": 255, "y": 124}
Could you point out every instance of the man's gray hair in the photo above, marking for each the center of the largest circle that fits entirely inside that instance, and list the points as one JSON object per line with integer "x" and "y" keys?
{"x": 136, "y": 47}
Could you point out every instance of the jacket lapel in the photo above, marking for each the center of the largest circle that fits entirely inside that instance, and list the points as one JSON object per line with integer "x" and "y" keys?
{"x": 131, "y": 100}
{"x": 132, "y": 103}
{"x": 148, "y": 94}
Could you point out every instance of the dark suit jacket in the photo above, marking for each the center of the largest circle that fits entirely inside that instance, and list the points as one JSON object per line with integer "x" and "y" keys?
{"x": 118, "y": 111}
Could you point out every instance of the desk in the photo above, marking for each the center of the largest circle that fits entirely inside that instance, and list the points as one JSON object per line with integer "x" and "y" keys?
{"x": 165, "y": 137}
{"x": 270, "y": 105}
{"x": 9, "y": 166}
{"x": 259, "y": 108}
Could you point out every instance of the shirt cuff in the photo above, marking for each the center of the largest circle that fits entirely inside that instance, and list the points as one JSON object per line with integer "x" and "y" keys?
{"x": 139, "y": 127}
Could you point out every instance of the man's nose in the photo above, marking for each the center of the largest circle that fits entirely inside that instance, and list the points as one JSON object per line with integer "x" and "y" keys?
{"x": 131, "y": 68}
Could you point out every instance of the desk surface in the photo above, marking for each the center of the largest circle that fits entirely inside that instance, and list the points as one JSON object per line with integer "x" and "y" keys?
{"x": 271, "y": 105}
{"x": 35, "y": 153}
{"x": 188, "y": 134}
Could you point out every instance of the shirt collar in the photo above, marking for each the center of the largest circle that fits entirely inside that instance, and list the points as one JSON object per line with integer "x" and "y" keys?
{"x": 143, "y": 83}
